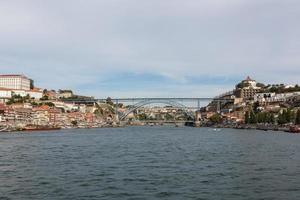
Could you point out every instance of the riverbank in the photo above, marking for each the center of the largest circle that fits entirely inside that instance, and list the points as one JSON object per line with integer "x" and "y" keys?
{"x": 287, "y": 128}
{"x": 290, "y": 129}
{"x": 53, "y": 128}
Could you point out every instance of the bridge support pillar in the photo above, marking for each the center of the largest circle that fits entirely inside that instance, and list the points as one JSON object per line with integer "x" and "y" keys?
{"x": 197, "y": 122}
{"x": 117, "y": 120}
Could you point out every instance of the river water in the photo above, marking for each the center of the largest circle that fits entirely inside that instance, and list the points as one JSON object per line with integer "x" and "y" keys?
{"x": 150, "y": 163}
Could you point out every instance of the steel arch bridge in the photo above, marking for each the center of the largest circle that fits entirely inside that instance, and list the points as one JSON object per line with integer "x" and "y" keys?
{"x": 140, "y": 102}
{"x": 156, "y": 101}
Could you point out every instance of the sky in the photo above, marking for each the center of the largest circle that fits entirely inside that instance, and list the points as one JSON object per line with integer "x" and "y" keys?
{"x": 157, "y": 48}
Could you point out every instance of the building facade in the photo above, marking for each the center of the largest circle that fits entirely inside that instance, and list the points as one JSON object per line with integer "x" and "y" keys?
{"x": 5, "y": 93}
{"x": 16, "y": 82}
{"x": 247, "y": 89}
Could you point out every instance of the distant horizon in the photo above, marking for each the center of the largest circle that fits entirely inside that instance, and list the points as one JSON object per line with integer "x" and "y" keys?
{"x": 171, "y": 48}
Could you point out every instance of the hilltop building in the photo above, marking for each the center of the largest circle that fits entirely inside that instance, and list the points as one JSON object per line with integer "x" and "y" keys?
{"x": 15, "y": 82}
{"x": 64, "y": 94}
{"x": 247, "y": 89}
{"x": 11, "y": 85}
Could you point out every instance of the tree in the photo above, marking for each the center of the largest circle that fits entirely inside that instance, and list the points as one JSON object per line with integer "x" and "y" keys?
{"x": 31, "y": 84}
{"x": 216, "y": 118}
{"x": 272, "y": 118}
{"x": 297, "y": 121}
{"x": 169, "y": 116}
{"x": 74, "y": 123}
{"x": 247, "y": 117}
{"x": 50, "y": 104}
{"x": 34, "y": 104}
{"x": 282, "y": 117}
{"x": 256, "y": 106}
{"x": 261, "y": 117}
{"x": 45, "y": 97}
{"x": 109, "y": 101}
{"x": 142, "y": 116}
{"x": 253, "y": 118}
{"x": 260, "y": 85}
{"x": 99, "y": 111}
{"x": 288, "y": 115}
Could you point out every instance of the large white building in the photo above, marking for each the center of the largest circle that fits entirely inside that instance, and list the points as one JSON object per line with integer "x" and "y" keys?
{"x": 17, "y": 85}
{"x": 15, "y": 82}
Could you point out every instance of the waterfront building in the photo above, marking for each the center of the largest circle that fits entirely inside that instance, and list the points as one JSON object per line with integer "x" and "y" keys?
{"x": 55, "y": 116}
{"x": 9, "y": 114}
{"x": 14, "y": 81}
{"x": 23, "y": 115}
{"x": 40, "y": 115}
{"x": 2, "y": 111}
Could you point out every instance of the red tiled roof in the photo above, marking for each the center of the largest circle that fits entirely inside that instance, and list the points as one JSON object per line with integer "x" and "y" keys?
{"x": 2, "y": 106}
{"x": 41, "y": 108}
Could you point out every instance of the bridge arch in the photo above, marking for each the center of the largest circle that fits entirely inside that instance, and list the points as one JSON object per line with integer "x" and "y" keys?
{"x": 153, "y": 101}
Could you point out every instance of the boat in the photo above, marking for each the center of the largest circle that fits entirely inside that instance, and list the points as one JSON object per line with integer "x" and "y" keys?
{"x": 40, "y": 128}
{"x": 3, "y": 129}
{"x": 294, "y": 129}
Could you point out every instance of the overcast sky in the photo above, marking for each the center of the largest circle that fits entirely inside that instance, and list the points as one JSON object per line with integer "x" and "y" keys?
{"x": 158, "y": 48}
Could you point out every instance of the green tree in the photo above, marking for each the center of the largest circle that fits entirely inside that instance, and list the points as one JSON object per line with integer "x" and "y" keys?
{"x": 262, "y": 117}
{"x": 169, "y": 117}
{"x": 50, "y": 104}
{"x": 142, "y": 116}
{"x": 74, "y": 123}
{"x": 253, "y": 118}
{"x": 247, "y": 117}
{"x": 272, "y": 118}
{"x": 31, "y": 84}
{"x": 282, "y": 117}
{"x": 109, "y": 101}
{"x": 256, "y": 106}
{"x": 297, "y": 121}
{"x": 44, "y": 98}
{"x": 288, "y": 116}
{"x": 216, "y": 118}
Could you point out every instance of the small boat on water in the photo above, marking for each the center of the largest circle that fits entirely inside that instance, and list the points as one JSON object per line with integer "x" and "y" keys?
{"x": 3, "y": 129}
{"x": 294, "y": 129}
{"x": 40, "y": 128}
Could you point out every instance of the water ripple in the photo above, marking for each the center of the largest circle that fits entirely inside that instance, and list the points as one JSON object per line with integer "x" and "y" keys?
{"x": 150, "y": 163}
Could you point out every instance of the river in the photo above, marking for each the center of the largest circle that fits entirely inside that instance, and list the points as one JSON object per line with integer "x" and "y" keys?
{"x": 150, "y": 163}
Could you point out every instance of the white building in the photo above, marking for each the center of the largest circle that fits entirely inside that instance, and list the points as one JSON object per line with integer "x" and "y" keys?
{"x": 8, "y": 93}
{"x": 5, "y": 93}
{"x": 263, "y": 97}
{"x": 35, "y": 93}
{"x": 16, "y": 82}
{"x": 272, "y": 97}
{"x": 22, "y": 93}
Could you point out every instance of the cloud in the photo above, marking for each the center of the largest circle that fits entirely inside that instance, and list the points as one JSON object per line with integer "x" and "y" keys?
{"x": 82, "y": 44}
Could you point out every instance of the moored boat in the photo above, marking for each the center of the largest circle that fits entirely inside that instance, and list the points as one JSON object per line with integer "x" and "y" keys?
{"x": 40, "y": 128}
{"x": 294, "y": 129}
